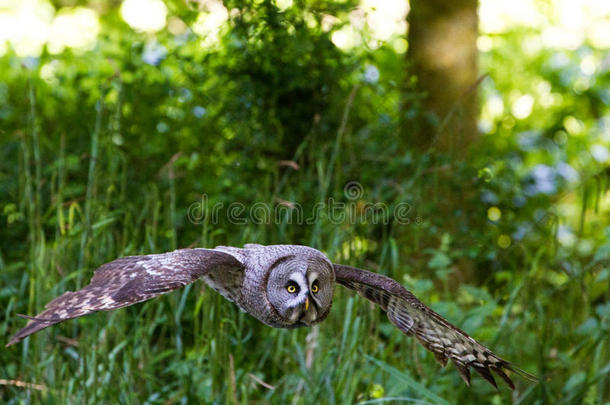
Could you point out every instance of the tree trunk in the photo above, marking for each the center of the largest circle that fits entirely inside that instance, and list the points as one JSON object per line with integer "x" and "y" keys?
{"x": 442, "y": 55}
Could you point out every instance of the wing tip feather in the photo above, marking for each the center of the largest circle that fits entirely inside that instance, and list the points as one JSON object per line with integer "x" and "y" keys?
{"x": 11, "y": 341}
{"x": 522, "y": 373}
{"x": 484, "y": 372}
{"x": 31, "y": 328}
{"x": 505, "y": 377}
{"x": 463, "y": 372}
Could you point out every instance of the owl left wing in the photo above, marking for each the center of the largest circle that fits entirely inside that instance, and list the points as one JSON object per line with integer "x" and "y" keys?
{"x": 434, "y": 332}
{"x": 130, "y": 280}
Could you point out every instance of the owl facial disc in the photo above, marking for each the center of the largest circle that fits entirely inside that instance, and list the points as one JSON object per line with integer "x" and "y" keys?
{"x": 298, "y": 288}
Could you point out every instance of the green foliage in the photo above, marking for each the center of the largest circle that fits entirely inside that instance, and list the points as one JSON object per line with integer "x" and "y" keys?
{"x": 108, "y": 153}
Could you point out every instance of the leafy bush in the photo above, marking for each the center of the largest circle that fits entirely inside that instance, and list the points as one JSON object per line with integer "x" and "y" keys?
{"x": 120, "y": 150}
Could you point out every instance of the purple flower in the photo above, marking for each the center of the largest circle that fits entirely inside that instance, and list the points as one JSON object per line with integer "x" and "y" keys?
{"x": 371, "y": 74}
{"x": 544, "y": 180}
{"x": 153, "y": 53}
{"x": 489, "y": 197}
{"x": 199, "y": 111}
{"x": 527, "y": 140}
{"x": 567, "y": 172}
{"x": 522, "y": 230}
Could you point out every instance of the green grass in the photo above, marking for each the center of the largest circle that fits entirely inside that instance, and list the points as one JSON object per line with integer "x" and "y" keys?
{"x": 192, "y": 346}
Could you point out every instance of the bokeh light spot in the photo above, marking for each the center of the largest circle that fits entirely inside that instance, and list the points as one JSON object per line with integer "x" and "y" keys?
{"x": 522, "y": 108}
{"x": 504, "y": 241}
{"x": 74, "y": 28}
{"x": 283, "y": 4}
{"x": 144, "y": 15}
{"x": 494, "y": 214}
{"x": 210, "y": 21}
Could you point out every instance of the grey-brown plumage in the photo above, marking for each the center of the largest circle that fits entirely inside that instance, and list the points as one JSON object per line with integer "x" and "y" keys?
{"x": 283, "y": 286}
{"x": 130, "y": 280}
{"x": 433, "y": 331}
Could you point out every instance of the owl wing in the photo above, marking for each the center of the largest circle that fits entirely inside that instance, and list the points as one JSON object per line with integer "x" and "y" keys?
{"x": 130, "y": 280}
{"x": 433, "y": 331}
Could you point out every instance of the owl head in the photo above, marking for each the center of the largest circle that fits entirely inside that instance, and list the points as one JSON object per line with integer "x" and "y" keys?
{"x": 300, "y": 289}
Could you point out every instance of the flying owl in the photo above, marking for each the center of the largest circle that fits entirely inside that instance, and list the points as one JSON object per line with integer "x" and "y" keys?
{"x": 283, "y": 286}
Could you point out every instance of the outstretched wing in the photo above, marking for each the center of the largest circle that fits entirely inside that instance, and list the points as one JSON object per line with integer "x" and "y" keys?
{"x": 433, "y": 331}
{"x": 130, "y": 280}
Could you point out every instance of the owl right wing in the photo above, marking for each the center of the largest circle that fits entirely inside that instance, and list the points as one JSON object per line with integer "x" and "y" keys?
{"x": 130, "y": 280}
{"x": 434, "y": 332}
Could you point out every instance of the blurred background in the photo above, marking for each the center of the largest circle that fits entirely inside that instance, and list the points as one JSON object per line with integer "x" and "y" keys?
{"x": 485, "y": 123}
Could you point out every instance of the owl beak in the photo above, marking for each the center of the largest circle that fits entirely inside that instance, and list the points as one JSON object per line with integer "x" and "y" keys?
{"x": 307, "y": 303}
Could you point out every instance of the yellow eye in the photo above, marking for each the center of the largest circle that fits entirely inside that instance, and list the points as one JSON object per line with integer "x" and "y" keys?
{"x": 314, "y": 288}
{"x": 291, "y": 288}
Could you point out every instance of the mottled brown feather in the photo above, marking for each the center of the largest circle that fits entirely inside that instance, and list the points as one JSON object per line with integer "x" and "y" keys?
{"x": 433, "y": 331}
{"x": 129, "y": 280}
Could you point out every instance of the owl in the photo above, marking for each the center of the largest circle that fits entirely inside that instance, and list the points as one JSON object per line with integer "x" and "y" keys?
{"x": 283, "y": 286}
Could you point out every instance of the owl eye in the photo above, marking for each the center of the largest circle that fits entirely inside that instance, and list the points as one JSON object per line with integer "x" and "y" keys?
{"x": 292, "y": 288}
{"x": 315, "y": 288}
